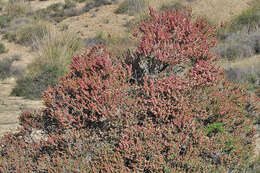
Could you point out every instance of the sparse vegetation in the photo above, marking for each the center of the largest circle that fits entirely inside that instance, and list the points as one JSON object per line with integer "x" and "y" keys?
{"x": 31, "y": 87}
{"x": 172, "y": 6}
{"x": 6, "y": 69}
{"x": 18, "y": 7}
{"x": 9, "y": 32}
{"x": 3, "y": 48}
{"x": 248, "y": 20}
{"x": 60, "y": 11}
{"x": 247, "y": 70}
{"x": 25, "y": 34}
{"x": 2, "y": 4}
{"x": 132, "y": 7}
{"x": 4, "y": 20}
{"x": 239, "y": 44}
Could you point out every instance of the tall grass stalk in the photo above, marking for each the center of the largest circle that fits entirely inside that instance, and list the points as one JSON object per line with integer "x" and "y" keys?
{"x": 56, "y": 48}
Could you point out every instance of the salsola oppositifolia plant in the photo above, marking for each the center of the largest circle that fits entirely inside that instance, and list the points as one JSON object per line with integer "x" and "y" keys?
{"x": 167, "y": 108}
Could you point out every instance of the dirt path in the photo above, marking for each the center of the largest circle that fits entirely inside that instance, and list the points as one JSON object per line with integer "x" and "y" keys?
{"x": 12, "y": 107}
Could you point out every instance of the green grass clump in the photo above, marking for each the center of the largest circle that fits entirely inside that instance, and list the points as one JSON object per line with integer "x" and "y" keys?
{"x": 24, "y": 34}
{"x": 4, "y": 20}
{"x": 31, "y": 87}
{"x": 131, "y": 7}
{"x": 54, "y": 52}
{"x": 248, "y": 19}
{"x": 214, "y": 128}
{"x": 2, "y": 48}
{"x": 18, "y": 7}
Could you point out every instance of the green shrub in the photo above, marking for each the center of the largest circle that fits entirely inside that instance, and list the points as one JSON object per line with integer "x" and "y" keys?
{"x": 6, "y": 69}
{"x": 4, "y": 20}
{"x": 214, "y": 128}
{"x": 2, "y": 48}
{"x": 18, "y": 7}
{"x": 31, "y": 87}
{"x": 131, "y": 7}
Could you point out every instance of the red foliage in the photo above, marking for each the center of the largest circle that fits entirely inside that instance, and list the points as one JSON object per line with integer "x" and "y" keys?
{"x": 181, "y": 115}
{"x": 91, "y": 91}
{"x": 170, "y": 40}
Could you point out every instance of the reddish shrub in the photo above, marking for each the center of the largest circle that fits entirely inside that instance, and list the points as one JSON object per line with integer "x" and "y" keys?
{"x": 177, "y": 128}
{"x": 178, "y": 113}
{"x": 170, "y": 42}
{"x": 89, "y": 94}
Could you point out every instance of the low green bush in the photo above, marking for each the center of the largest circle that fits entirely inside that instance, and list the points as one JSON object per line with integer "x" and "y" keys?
{"x": 6, "y": 69}
{"x": 4, "y": 20}
{"x": 3, "y": 48}
{"x": 31, "y": 87}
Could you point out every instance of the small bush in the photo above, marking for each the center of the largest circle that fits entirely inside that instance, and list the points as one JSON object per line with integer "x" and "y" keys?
{"x": 131, "y": 7}
{"x": 31, "y": 87}
{"x": 14, "y": 26}
{"x": 4, "y": 20}
{"x": 239, "y": 45}
{"x": 6, "y": 69}
{"x": 172, "y": 6}
{"x": 18, "y": 7}
{"x": 2, "y": 48}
